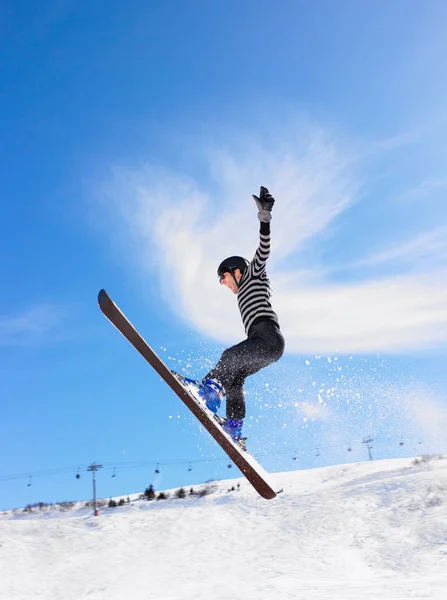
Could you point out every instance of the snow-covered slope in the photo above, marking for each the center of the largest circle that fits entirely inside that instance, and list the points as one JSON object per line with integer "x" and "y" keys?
{"x": 351, "y": 532}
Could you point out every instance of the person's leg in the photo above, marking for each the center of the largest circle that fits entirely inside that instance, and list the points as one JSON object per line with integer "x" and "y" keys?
{"x": 229, "y": 372}
{"x": 264, "y": 347}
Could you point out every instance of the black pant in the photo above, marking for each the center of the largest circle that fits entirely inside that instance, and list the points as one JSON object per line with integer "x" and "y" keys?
{"x": 264, "y": 346}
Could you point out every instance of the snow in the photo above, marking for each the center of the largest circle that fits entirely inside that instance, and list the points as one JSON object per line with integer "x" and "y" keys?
{"x": 350, "y": 532}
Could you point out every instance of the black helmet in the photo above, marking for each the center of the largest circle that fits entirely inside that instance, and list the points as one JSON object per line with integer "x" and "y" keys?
{"x": 230, "y": 264}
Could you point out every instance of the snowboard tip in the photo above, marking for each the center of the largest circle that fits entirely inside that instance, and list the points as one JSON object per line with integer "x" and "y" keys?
{"x": 102, "y": 295}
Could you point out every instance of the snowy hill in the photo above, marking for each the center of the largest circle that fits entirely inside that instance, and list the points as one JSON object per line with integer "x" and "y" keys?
{"x": 350, "y": 532}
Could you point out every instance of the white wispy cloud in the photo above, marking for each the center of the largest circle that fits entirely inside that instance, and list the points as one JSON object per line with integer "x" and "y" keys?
{"x": 184, "y": 226}
{"x": 31, "y": 326}
{"x": 424, "y": 189}
{"x": 429, "y": 244}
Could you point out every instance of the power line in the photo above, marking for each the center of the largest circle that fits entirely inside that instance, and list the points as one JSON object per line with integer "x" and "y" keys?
{"x": 120, "y": 465}
{"x": 178, "y": 462}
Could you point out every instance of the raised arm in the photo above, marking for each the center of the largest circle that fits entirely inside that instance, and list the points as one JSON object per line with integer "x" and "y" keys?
{"x": 265, "y": 204}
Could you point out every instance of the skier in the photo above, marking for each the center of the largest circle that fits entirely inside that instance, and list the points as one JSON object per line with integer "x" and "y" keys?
{"x": 264, "y": 344}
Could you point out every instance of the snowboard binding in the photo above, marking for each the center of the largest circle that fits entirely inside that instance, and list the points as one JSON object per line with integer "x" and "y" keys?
{"x": 230, "y": 426}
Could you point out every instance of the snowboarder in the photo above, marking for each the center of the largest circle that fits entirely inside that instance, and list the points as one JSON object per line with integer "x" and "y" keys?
{"x": 264, "y": 344}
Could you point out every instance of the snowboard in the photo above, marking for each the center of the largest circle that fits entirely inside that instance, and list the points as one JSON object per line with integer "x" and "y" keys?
{"x": 248, "y": 465}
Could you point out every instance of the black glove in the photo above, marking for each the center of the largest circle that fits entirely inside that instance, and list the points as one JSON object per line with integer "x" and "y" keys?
{"x": 265, "y": 204}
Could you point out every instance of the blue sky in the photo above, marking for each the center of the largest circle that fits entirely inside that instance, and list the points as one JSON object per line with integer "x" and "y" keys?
{"x": 133, "y": 136}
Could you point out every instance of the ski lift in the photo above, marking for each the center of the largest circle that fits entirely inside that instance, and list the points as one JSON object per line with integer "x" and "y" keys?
{"x": 401, "y": 443}
{"x": 30, "y": 481}
{"x": 229, "y": 465}
{"x": 317, "y": 453}
{"x": 349, "y": 449}
{"x": 114, "y": 472}
{"x": 190, "y": 467}
{"x": 157, "y": 469}
{"x": 78, "y": 475}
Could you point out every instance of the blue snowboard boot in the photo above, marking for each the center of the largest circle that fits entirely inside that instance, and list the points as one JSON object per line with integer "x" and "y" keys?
{"x": 234, "y": 428}
{"x": 211, "y": 392}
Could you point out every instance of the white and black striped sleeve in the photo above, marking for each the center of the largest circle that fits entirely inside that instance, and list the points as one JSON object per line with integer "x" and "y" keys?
{"x": 254, "y": 289}
{"x": 263, "y": 251}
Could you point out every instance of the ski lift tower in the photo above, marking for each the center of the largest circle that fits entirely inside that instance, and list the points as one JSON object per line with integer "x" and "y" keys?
{"x": 368, "y": 440}
{"x": 94, "y": 467}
